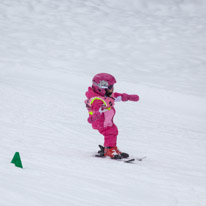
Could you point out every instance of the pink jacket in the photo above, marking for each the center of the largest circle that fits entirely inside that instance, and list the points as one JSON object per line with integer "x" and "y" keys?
{"x": 101, "y": 109}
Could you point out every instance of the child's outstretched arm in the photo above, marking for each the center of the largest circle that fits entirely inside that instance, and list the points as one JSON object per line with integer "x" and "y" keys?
{"x": 125, "y": 97}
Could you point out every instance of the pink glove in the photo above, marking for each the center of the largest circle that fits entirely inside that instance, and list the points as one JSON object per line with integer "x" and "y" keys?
{"x": 133, "y": 98}
{"x": 126, "y": 97}
{"x": 94, "y": 117}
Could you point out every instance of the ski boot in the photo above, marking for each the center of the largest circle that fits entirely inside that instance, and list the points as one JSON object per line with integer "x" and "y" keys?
{"x": 114, "y": 153}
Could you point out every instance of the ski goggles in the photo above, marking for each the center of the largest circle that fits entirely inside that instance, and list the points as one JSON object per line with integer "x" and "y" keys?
{"x": 110, "y": 87}
{"x": 103, "y": 85}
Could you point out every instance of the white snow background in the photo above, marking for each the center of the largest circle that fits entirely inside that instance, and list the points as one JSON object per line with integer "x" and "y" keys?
{"x": 49, "y": 52}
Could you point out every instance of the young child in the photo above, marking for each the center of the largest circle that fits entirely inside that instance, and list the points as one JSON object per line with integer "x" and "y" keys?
{"x": 100, "y": 105}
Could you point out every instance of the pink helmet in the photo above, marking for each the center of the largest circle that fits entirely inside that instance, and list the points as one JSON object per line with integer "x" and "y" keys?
{"x": 102, "y": 81}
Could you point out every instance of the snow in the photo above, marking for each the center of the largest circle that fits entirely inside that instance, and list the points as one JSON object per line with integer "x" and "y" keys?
{"x": 50, "y": 50}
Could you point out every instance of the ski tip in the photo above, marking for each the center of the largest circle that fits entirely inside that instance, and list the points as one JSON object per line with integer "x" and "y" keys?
{"x": 140, "y": 159}
{"x": 100, "y": 146}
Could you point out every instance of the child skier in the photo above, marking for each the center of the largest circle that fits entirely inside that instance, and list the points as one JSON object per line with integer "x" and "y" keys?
{"x": 100, "y": 104}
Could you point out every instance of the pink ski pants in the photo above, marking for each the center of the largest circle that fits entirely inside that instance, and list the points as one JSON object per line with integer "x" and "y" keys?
{"x": 110, "y": 135}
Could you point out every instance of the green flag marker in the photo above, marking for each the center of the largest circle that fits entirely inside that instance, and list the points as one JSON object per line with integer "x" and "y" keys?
{"x": 17, "y": 160}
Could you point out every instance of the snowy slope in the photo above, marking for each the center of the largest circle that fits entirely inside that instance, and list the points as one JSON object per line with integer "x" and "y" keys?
{"x": 50, "y": 50}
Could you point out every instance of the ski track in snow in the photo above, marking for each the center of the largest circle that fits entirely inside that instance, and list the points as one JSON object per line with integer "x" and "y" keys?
{"x": 49, "y": 53}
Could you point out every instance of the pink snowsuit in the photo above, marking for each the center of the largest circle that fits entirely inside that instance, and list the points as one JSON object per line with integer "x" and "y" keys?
{"x": 102, "y": 111}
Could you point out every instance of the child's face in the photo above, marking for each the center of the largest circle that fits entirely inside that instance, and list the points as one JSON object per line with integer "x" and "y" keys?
{"x": 109, "y": 90}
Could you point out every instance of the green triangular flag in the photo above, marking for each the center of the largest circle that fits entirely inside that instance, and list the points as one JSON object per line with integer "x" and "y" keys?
{"x": 17, "y": 160}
